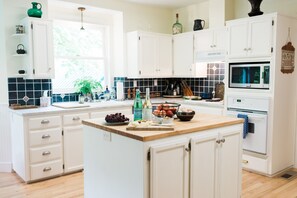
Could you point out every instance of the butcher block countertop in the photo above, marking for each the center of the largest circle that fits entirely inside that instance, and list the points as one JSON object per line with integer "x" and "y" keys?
{"x": 200, "y": 122}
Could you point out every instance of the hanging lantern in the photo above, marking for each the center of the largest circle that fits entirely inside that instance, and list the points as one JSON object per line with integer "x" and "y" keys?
{"x": 288, "y": 56}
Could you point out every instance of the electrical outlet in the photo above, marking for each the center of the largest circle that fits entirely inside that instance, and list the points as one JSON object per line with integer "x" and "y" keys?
{"x": 107, "y": 136}
{"x": 155, "y": 82}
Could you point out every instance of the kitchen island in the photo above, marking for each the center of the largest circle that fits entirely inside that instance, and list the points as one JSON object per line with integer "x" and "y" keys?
{"x": 200, "y": 158}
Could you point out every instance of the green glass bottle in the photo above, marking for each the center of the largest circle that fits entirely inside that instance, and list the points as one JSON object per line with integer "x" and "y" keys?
{"x": 177, "y": 28}
{"x": 137, "y": 106}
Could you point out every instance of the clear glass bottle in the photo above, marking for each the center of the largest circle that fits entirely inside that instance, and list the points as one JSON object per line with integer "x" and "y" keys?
{"x": 177, "y": 28}
{"x": 137, "y": 106}
{"x": 147, "y": 109}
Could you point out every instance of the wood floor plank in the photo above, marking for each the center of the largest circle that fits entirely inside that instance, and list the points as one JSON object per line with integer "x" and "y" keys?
{"x": 71, "y": 186}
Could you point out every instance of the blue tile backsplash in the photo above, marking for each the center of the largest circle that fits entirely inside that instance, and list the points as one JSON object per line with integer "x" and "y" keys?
{"x": 18, "y": 88}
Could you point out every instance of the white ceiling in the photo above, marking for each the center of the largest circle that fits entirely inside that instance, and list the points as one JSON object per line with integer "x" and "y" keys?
{"x": 166, "y": 3}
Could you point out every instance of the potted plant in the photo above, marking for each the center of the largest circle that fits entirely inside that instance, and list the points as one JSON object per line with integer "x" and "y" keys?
{"x": 85, "y": 86}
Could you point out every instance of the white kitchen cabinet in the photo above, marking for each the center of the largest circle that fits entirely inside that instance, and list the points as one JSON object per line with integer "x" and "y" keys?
{"x": 169, "y": 172}
{"x": 101, "y": 114}
{"x": 73, "y": 141}
{"x": 38, "y": 41}
{"x": 183, "y": 55}
{"x": 214, "y": 166}
{"x": 210, "y": 40}
{"x": 251, "y": 37}
{"x": 149, "y": 54}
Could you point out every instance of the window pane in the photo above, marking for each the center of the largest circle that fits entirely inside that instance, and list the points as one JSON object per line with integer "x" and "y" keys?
{"x": 71, "y": 41}
{"x": 69, "y": 70}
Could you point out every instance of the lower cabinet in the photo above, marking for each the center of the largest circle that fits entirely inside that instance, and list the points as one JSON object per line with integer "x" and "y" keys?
{"x": 73, "y": 141}
{"x": 203, "y": 165}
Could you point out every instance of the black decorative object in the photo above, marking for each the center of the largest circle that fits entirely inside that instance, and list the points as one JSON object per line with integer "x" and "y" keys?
{"x": 20, "y": 49}
{"x": 255, "y": 7}
{"x": 198, "y": 24}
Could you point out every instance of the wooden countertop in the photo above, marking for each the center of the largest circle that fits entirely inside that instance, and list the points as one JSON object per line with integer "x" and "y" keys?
{"x": 200, "y": 122}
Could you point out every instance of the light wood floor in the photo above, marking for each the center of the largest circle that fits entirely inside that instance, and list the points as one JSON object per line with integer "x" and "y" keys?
{"x": 71, "y": 186}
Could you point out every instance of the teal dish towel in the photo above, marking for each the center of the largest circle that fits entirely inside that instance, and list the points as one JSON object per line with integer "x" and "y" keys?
{"x": 245, "y": 124}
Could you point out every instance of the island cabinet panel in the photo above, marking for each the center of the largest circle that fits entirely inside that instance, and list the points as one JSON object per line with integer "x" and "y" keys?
{"x": 169, "y": 170}
{"x": 203, "y": 165}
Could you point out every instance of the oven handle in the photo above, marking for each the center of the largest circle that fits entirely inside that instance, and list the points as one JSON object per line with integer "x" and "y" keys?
{"x": 246, "y": 111}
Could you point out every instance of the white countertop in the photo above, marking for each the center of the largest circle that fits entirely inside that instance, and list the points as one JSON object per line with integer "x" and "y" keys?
{"x": 111, "y": 104}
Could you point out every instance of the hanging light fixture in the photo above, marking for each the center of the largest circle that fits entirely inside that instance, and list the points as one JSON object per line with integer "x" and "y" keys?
{"x": 81, "y": 17}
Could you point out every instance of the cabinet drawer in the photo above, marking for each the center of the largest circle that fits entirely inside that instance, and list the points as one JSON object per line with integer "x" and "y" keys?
{"x": 74, "y": 119}
{"x": 44, "y": 122}
{"x": 48, "y": 169}
{"x": 44, "y": 137}
{"x": 254, "y": 164}
{"x": 43, "y": 154}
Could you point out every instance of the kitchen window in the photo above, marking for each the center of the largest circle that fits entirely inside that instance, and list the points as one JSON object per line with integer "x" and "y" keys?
{"x": 79, "y": 54}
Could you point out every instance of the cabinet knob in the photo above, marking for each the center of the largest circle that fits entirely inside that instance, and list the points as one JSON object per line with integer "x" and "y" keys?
{"x": 187, "y": 149}
{"x": 245, "y": 161}
{"x": 245, "y": 49}
{"x": 76, "y": 118}
{"x": 45, "y": 122}
{"x": 47, "y": 169}
{"x": 46, "y": 153}
{"x": 223, "y": 140}
{"x": 46, "y": 136}
{"x": 249, "y": 49}
{"x": 218, "y": 141}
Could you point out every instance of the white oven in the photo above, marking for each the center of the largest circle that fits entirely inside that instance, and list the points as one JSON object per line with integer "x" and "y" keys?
{"x": 256, "y": 110}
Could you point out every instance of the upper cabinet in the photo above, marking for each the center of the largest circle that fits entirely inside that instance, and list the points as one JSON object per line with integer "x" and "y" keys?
{"x": 38, "y": 40}
{"x": 149, "y": 54}
{"x": 183, "y": 55}
{"x": 210, "y": 40}
{"x": 251, "y": 37}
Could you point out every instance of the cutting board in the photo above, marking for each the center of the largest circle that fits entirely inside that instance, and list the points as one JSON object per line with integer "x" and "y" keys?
{"x": 69, "y": 105}
{"x": 17, "y": 107}
{"x": 150, "y": 128}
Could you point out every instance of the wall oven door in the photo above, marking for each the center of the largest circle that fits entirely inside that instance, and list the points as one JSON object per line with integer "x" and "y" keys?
{"x": 256, "y": 139}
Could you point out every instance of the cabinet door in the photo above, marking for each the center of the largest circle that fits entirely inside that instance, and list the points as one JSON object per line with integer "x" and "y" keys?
{"x": 260, "y": 37}
{"x": 204, "y": 40}
{"x": 183, "y": 55}
{"x": 203, "y": 166}
{"x": 42, "y": 43}
{"x": 73, "y": 148}
{"x": 169, "y": 172}
{"x": 238, "y": 36}
{"x": 230, "y": 163}
{"x": 147, "y": 55}
{"x": 219, "y": 39}
{"x": 164, "y": 68}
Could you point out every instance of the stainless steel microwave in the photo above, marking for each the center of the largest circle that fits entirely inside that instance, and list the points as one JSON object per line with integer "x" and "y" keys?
{"x": 252, "y": 75}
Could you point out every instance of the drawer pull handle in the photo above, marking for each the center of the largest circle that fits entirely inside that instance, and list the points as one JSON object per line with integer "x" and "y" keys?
{"x": 46, "y": 153}
{"x": 245, "y": 161}
{"x": 76, "y": 118}
{"x": 46, "y": 136}
{"x": 45, "y": 121}
{"x": 47, "y": 169}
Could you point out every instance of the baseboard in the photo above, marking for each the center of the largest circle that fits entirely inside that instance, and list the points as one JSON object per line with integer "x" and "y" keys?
{"x": 5, "y": 167}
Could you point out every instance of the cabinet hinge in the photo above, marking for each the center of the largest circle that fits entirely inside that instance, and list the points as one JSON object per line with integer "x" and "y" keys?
{"x": 139, "y": 38}
{"x": 32, "y": 26}
{"x": 33, "y": 71}
{"x": 272, "y": 50}
{"x": 189, "y": 146}
{"x": 62, "y": 132}
{"x": 148, "y": 156}
{"x": 272, "y": 22}
{"x": 139, "y": 72}
{"x": 63, "y": 166}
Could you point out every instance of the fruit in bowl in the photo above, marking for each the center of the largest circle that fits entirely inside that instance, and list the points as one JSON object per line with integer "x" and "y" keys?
{"x": 165, "y": 109}
{"x": 185, "y": 114}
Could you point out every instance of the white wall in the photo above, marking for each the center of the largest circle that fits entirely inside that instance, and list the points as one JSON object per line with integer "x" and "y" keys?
{"x": 5, "y": 148}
